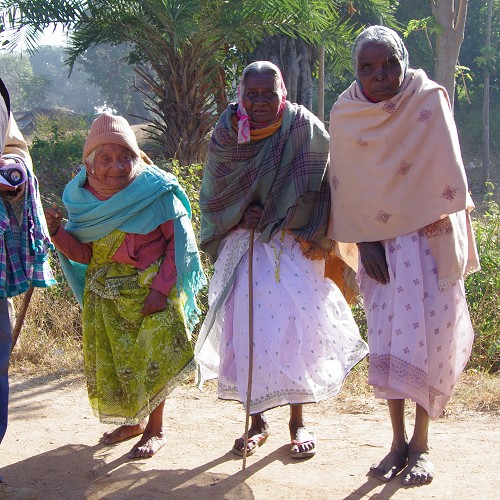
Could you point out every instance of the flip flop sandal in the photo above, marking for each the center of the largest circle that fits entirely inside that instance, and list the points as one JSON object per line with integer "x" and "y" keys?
{"x": 256, "y": 440}
{"x": 298, "y": 444}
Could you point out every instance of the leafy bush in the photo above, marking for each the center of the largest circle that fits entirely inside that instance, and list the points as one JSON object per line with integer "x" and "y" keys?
{"x": 56, "y": 151}
{"x": 483, "y": 290}
{"x": 360, "y": 317}
{"x": 190, "y": 178}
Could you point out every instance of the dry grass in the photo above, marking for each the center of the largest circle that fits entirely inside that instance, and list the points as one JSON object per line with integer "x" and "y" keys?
{"x": 50, "y": 341}
{"x": 475, "y": 392}
{"x": 478, "y": 392}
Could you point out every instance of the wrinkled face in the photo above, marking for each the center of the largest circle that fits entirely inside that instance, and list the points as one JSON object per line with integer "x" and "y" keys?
{"x": 113, "y": 165}
{"x": 379, "y": 71}
{"x": 262, "y": 96}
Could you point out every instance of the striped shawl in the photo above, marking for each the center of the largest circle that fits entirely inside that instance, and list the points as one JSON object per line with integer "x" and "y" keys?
{"x": 25, "y": 245}
{"x": 285, "y": 174}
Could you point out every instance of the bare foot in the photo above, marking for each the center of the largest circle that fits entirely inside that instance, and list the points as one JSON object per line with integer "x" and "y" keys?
{"x": 390, "y": 465}
{"x": 419, "y": 469}
{"x": 148, "y": 445}
{"x": 303, "y": 443}
{"x": 123, "y": 433}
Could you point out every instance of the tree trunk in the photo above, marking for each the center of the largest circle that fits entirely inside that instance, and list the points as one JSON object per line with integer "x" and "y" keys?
{"x": 291, "y": 70}
{"x": 180, "y": 99}
{"x": 321, "y": 84}
{"x": 295, "y": 60}
{"x": 485, "y": 173}
{"x": 448, "y": 40}
{"x": 306, "y": 65}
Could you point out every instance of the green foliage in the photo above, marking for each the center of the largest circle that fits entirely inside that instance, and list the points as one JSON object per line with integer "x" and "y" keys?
{"x": 463, "y": 71}
{"x": 360, "y": 317}
{"x": 483, "y": 290}
{"x": 56, "y": 151}
{"x": 427, "y": 24}
{"x": 470, "y": 127}
{"x": 26, "y": 89}
{"x": 190, "y": 178}
{"x": 488, "y": 59}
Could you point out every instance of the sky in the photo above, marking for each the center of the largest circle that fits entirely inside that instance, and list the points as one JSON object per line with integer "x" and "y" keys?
{"x": 49, "y": 37}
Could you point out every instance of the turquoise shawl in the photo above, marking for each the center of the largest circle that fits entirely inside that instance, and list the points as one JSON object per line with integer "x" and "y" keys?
{"x": 153, "y": 198}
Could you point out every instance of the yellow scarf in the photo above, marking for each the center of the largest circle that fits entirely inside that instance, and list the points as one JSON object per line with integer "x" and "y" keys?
{"x": 260, "y": 133}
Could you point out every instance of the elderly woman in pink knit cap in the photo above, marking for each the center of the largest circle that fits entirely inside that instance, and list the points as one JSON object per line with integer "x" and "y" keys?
{"x": 399, "y": 191}
{"x": 130, "y": 255}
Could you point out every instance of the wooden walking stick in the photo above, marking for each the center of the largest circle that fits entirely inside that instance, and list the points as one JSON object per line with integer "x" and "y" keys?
{"x": 250, "y": 345}
{"x": 21, "y": 315}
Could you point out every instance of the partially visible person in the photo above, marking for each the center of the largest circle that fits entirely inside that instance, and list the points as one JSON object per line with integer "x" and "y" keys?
{"x": 266, "y": 170}
{"x": 130, "y": 255}
{"x": 399, "y": 191}
{"x": 24, "y": 246}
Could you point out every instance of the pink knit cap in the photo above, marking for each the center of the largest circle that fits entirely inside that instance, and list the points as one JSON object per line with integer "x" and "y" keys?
{"x": 111, "y": 129}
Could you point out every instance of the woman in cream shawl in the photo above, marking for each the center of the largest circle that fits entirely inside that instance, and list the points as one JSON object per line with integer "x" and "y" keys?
{"x": 400, "y": 193}
{"x": 266, "y": 170}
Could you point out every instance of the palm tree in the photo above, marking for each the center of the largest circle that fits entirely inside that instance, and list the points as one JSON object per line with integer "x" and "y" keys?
{"x": 181, "y": 48}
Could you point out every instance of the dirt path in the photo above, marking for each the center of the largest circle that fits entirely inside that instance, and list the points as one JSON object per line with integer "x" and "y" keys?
{"x": 52, "y": 446}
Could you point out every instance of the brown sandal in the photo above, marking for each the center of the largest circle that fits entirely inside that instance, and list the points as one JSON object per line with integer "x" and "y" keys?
{"x": 256, "y": 440}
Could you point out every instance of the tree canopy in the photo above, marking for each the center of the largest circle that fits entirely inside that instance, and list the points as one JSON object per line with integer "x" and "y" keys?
{"x": 184, "y": 57}
{"x": 184, "y": 50}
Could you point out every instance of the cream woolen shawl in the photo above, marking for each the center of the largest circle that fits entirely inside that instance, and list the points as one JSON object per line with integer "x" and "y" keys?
{"x": 396, "y": 167}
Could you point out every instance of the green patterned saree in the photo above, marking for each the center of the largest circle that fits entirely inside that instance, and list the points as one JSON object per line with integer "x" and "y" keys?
{"x": 132, "y": 361}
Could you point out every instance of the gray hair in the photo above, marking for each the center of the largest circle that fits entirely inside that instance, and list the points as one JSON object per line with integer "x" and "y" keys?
{"x": 263, "y": 67}
{"x": 90, "y": 158}
{"x": 385, "y": 36}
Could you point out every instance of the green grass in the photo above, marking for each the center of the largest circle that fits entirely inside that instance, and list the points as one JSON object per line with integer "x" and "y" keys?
{"x": 483, "y": 289}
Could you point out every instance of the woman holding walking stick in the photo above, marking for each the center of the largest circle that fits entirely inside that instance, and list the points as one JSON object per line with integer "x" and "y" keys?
{"x": 266, "y": 172}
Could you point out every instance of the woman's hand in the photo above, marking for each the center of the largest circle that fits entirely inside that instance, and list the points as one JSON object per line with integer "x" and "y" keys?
{"x": 251, "y": 217}
{"x": 53, "y": 216}
{"x": 155, "y": 302}
{"x": 373, "y": 259}
{"x": 18, "y": 193}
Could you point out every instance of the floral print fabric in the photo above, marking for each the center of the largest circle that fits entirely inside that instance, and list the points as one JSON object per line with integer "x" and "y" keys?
{"x": 420, "y": 336}
{"x": 132, "y": 361}
{"x": 305, "y": 338}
